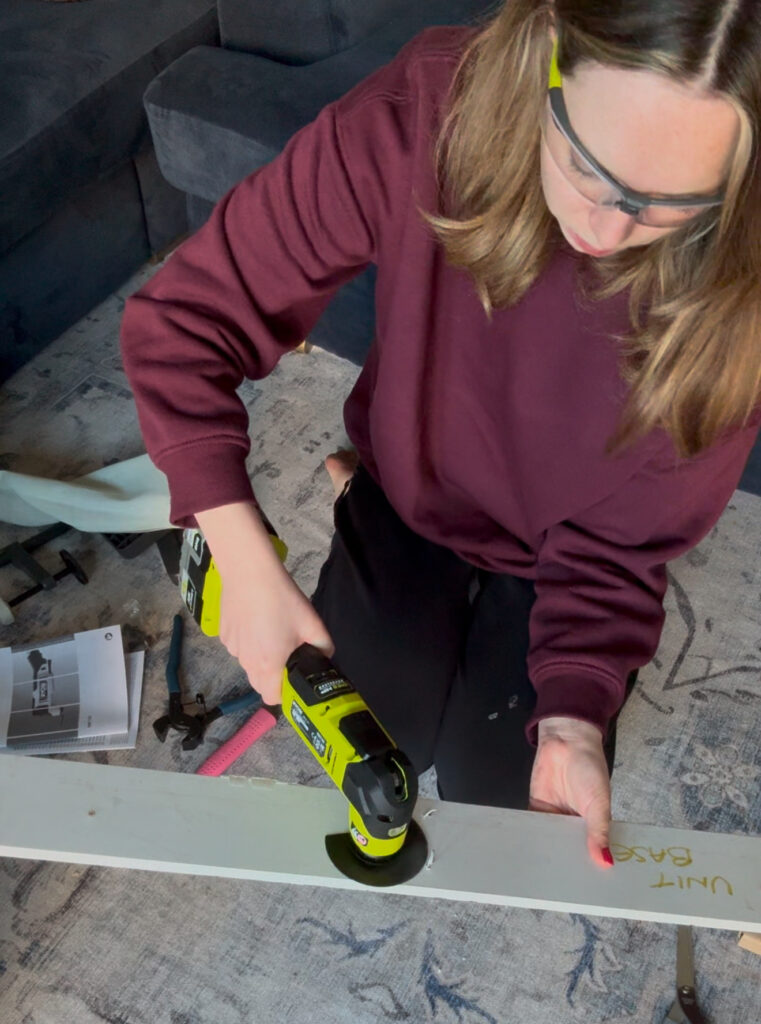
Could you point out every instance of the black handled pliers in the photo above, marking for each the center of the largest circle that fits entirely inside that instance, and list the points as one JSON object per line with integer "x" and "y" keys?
{"x": 194, "y": 726}
{"x": 176, "y": 718}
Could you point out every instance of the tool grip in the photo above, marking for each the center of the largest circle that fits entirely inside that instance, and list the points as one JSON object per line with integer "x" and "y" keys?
{"x": 236, "y": 704}
{"x": 258, "y": 724}
{"x": 173, "y": 660}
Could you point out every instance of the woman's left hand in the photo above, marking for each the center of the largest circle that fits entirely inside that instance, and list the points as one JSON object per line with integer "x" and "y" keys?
{"x": 570, "y": 776}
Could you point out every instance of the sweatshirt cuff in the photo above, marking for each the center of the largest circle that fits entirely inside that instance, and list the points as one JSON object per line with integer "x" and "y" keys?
{"x": 205, "y": 476}
{"x": 575, "y": 693}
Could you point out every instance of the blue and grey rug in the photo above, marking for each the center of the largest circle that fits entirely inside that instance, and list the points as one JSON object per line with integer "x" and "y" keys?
{"x": 86, "y": 945}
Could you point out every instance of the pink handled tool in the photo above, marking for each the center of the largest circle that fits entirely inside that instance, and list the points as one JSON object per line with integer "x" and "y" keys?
{"x": 258, "y": 724}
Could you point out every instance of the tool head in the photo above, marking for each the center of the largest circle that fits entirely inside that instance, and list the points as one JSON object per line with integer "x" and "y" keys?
{"x": 161, "y": 727}
{"x": 192, "y": 725}
{"x": 380, "y": 872}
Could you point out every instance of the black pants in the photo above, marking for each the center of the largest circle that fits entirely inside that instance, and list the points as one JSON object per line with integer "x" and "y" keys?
{"x": 436, "y": 647}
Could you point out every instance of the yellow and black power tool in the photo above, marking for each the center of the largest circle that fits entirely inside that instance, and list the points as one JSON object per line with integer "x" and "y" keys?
{"x": 384, "y": 845}
{"x": 200, "y": 582}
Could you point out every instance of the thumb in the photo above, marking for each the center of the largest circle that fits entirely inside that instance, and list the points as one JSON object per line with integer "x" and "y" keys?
{"x": 269, "y": 688}
{"x": 323, "y": 643}
{"x": 319, "y": 637}
{"x": 598, "y": 831}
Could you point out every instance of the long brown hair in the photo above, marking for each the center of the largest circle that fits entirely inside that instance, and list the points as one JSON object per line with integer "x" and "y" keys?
{"x": 693, "y": 356}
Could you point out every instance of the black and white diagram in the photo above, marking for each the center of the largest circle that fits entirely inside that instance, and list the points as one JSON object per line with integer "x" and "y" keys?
{"x": 45, "y": 696}
{"x": 70, "y": 693}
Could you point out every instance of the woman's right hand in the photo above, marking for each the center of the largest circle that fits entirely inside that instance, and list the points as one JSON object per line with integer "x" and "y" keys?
{"x": 264, "y": 614}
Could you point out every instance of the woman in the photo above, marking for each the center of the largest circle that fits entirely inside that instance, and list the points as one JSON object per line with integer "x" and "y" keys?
{"x": 561, "y": 396}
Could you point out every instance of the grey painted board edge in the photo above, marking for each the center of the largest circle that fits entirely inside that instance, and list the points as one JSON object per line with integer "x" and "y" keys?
{"x": 268, "y": 831}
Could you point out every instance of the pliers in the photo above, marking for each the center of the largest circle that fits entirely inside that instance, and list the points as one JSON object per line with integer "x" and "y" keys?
{"x": 194, "y": 726}
{"x": 685, "y": 1007}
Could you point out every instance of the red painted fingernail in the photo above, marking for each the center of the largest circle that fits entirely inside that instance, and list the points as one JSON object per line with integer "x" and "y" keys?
{"x": 607, "y": 856}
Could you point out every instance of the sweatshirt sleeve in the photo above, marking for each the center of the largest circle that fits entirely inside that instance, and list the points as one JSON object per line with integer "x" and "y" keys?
{"x": 251, "y": 283}
{"x": 601, "y": 579}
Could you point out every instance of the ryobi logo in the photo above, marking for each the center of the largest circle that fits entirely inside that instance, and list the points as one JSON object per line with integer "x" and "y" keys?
{"x": 358, "y": 837}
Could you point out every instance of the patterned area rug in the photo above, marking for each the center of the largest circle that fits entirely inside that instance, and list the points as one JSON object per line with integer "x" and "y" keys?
{"x": 85, "y": 945}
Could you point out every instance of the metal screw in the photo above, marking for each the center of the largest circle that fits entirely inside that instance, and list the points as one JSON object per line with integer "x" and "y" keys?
{"x": 71, "y": 568}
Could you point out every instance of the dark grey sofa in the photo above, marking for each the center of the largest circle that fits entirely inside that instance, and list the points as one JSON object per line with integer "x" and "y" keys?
{"x": 220, "y": 112}
{"x": 83, "y": 202}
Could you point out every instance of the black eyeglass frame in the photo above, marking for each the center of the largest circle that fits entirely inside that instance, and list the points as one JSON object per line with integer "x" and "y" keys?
{"x": 631, "y": 202}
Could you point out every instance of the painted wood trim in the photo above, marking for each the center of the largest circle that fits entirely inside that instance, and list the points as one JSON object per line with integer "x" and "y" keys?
{"x": 257, "y": 829}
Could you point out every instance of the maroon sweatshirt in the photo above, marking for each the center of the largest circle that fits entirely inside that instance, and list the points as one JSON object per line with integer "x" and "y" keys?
{"x": 487, "y": 437}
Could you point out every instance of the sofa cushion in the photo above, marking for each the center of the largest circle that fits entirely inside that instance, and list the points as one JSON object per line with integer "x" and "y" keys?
{"x": 217, "y": 114}
{"x": 72, "y": 79}
{"x": 302, "y": 31}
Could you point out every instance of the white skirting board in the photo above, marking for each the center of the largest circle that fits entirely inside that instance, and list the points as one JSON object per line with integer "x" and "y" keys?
{"x": 235, "y": 827}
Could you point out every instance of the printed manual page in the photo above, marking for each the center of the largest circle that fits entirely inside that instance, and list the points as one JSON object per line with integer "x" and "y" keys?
{"x": 68, "y": 693}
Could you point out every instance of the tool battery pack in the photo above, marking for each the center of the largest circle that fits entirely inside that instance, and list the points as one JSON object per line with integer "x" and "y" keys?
{"x": 200, "y": 582}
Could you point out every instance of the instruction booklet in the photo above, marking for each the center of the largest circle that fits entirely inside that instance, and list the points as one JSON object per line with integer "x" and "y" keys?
{"x": 78, "y": 692}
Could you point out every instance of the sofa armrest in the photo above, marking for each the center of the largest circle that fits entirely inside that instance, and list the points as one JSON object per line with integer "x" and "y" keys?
{"x": 218, "y": 114}
{"x": 304, "y": 31}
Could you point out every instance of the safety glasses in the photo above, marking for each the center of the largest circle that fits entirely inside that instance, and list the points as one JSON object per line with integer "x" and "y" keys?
{"x": 597, "y": 185}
